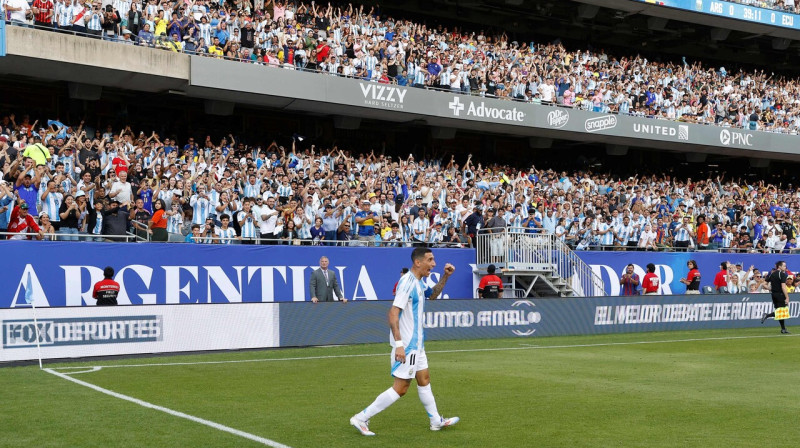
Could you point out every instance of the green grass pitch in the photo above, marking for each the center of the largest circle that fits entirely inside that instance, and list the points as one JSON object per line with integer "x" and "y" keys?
{"x": 723, "y": 388}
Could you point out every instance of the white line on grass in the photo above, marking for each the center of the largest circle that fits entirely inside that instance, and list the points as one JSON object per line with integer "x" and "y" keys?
{"x": 202, "y": 421}
{"x": 466, "y": 350}
{"x": 608, "y": 344}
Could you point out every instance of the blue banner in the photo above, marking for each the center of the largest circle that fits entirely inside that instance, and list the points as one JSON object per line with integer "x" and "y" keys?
{"x": 336, "y": 323}
{"x": 62, "y": 274}
{"x": 2, "y": 38}
{"x": 672, "y": 266}
{"x": 736, "y": 11}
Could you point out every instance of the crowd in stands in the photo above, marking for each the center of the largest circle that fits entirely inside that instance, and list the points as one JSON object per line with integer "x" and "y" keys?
{"x": 361, "y": 43}
{"x": 780, "y": 5}
{"x": 90, "y": 184}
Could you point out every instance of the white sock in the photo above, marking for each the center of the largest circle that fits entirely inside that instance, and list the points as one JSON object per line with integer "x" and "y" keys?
{"x": 426, "y": 397}
{"x": 384, "y": 400}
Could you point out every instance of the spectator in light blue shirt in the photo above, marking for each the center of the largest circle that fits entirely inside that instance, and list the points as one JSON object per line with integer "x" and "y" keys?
{"x": 193, "y": 237}
{"x": 6, "y": 205}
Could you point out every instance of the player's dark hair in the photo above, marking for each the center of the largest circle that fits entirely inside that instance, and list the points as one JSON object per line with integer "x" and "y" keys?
{"x": 404, "y": 271}
{"x": 651, "y": 267}
{"x": 108, "y": 272}
{"x": 693, "y": 263}
{"x": 724, "y": 265}
{"x": 491, "y": 269}
{"x": 778, "y": 264}
{"x": 419, "y": 253}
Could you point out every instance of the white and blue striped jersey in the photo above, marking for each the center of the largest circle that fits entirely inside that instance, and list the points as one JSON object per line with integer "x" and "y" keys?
{"x": 249, "y": 227}
{"x": 64, "y": 14}
{"x": 624, "y": 233}
{"x": 174, "y": 223}
{"x": 94, "y": 23}
{"x": 436, "y": 236}
{"x": 727, "y": 239}
{"x": 410, "y": 298}
{"x": 213, "y": 197}
{"x": 201, "y": 209}
{"x": 421, "y": 226}
{"x": 225, "y": 234}
{"x": 51, "y": 206}
{"x": 682, "y": 233}
{"x": 606, "y": 239}
{"x": 98, "y": 225}
{"x": 252, "y": 190}
{"x": 285, "y": 191}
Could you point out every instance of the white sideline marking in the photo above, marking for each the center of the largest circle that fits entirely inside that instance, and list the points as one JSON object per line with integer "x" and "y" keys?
{"x": 202, "y": 421}
{"x": 608, "y": 344}
{"x": 496, "y": 349}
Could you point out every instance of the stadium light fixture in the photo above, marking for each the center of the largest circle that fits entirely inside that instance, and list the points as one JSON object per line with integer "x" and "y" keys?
{"x": 780, "y": 43}
{"x": 657, "y": 23}
{"x": 719, "y": 34}
{"x": 588, "y": 11}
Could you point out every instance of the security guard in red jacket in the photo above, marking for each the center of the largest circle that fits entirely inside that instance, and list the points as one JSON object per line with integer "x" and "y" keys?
{"x": 490, "y": 287}
{"x": 106, "y": 290}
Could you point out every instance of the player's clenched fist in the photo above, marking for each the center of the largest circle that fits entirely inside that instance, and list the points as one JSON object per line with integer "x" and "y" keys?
{"x": 449, "y": 269}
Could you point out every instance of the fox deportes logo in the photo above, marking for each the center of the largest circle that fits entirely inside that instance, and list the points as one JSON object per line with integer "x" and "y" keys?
{"x": 520, "y": 318}
{"x": 85, "y": 331}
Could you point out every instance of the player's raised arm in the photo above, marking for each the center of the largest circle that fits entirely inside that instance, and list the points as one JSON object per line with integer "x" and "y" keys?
{"x": 437, "y": 289}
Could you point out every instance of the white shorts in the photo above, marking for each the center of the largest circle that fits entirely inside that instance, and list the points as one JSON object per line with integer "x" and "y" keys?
{"x": 416, "y": 360}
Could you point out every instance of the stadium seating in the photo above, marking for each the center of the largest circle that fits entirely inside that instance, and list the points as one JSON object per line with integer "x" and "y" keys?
{"x": 437, "y": 202}
{"x": 364, "y": 44}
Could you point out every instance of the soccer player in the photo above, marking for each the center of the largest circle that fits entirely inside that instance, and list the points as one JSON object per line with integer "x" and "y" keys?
{"x": 408, "y": 347}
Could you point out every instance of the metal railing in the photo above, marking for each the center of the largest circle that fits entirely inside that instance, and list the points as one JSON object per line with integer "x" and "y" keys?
{"x": 667, "y": 248}
{"x": 85, "y": 237}
{"x": 145, "y": 236}
{"x": 515, "y": 249}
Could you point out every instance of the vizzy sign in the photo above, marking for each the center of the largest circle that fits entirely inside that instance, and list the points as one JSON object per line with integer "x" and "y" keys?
{"x": 388, "y": 97}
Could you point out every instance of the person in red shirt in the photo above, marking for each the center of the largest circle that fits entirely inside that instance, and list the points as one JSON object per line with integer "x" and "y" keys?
{"x": 22, "y": 223}
{"x": 651, "y": 282}
{"x": 692, "y": 280}
{"x": 702, "y": 233}
{"x": 490, "y": 287}
{"x": 120, "y": 163}
{"x": 43, "y": 13}
{"x": 106, "y": 290}
{"x": 721, "y": 279}
{"x": 323, "y": 49}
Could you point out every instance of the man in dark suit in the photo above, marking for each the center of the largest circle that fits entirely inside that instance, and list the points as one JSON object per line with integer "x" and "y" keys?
{"x": 323, "y": 284}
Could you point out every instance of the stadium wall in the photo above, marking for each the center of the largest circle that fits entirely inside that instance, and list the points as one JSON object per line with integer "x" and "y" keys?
{"x": 75, "y": 332}
{"x": 93, "y": 63}
{"x": 54, "y": 274}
